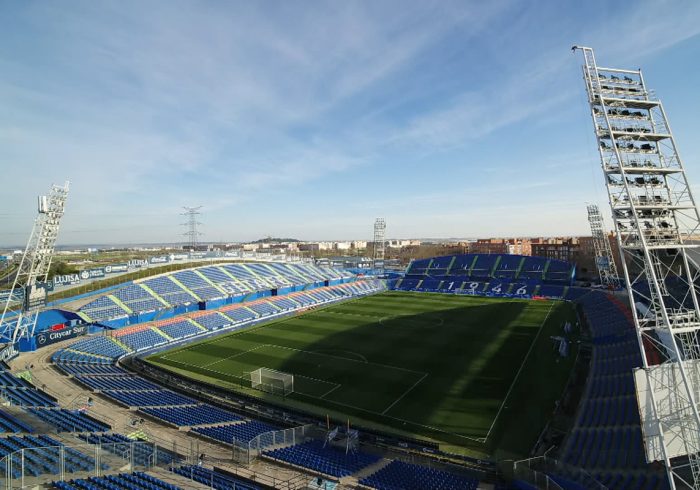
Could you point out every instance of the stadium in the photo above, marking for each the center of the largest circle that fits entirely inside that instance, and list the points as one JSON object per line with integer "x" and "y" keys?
{"x": 236, "y": 371}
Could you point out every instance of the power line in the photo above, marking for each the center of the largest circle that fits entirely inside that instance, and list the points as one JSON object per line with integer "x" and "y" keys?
{"x": 192, "y": 233}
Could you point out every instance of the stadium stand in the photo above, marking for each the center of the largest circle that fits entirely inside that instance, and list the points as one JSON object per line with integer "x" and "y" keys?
{"x": 214, "y": 479}
{"x": 120, "y": 445}
{"x": 105, "y": 349}
{"x": 606, "y": 440}
{"x": 212, "y": 321}
{"x": 198, "y": 285}
{"x": 180, "y": 329}
{"x": 100, "y": 346}
{"x": 489, "y": 275}
{"x": 398, "y": 475}
{"x": 323, "y": 459}
{"x": 156, "y": 398}
{"x": 124, "y": 383}
{"x": 44, "y": 456}
{"x": 142, "y": 339}
{"x": 93, "y": 370}
{"x": 10, "y": 424}
{"x": 70, "y": 420}
{"x": 245, "y": 431}
{"x": 189, "y": 416}
{"x": 27, "y": 397}
{"x": 203, "y": 284}
{"x": 130, "y": 481}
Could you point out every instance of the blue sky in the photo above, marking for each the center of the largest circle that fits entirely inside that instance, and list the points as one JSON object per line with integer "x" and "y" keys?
{"x": 310, "y": 119}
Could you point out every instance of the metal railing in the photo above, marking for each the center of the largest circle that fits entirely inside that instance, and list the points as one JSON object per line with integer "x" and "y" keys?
{"x": 246, "y": 451}
{"x": 539, "y": 466}
{"x": 30, "y": 467}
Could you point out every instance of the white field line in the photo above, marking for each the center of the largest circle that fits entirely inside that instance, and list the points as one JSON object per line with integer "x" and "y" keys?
{"x": 405, "y": 393}
{"x": 517, "y": 375}
{"x": 442, "y": 431}
{"x": 330, "y": 391}
{"x": 235, "y": 355}
{"x": 346, "y": 359}
{"x": 476, "y": 439}
{"x": 315, "y": 379}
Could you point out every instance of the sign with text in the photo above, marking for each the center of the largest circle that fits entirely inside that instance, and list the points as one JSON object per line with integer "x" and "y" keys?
{"x": 52, "y": 336}
{"x": 116, "y": 268}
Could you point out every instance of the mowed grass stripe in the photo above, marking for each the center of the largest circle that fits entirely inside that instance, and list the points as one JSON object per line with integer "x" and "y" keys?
{"x": 436, "y": 365}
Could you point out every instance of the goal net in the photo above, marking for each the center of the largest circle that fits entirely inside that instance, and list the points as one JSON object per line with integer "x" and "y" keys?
{"x": 271, "y": 381}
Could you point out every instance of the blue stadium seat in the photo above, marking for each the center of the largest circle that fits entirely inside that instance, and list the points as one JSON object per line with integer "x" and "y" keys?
{"x": 218, "y": 480}
{"x": 192, "y": 415}
{"x": 398, "y": 475}
{"x": 326, "y": 460}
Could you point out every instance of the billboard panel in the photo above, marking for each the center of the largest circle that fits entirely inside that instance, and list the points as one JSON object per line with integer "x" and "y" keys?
{"x": 116, "y": 268}
{"x": 35, "y": 296}
{"x": 52, "y": 336}
{"x": 138, "y": 263}
{"x": 92, "y": 273}
{"x": 66, "y": 280}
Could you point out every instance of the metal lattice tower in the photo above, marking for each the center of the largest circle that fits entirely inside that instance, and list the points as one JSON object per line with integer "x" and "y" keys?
{"x": 655, "y": 218}
{"x": 379, "y": 243}
{"x": 604, "y": 260}
{"x": 192, "y": 233}
{"x": 32, "y": 274}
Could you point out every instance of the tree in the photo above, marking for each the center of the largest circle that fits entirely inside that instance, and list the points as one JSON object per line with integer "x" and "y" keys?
{"x": 61, "y": 269}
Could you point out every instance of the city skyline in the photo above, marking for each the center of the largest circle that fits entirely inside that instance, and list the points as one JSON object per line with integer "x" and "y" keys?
{"x": 448, "y": 119}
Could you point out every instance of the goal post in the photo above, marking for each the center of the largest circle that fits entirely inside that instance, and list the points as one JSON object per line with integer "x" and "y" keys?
{"x": 272, "y": 381}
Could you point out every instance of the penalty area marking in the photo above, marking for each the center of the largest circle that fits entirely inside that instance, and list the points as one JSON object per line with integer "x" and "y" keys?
{"x": 362, "y": 358}
{"x": 234, "y": 355}
{"x": 404, "y": 393}
{"x": 415, "y": 424}
{"x": 330, "y": 391}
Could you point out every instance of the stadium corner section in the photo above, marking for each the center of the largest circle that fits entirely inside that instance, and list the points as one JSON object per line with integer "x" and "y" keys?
{"x": 413, "y": 368}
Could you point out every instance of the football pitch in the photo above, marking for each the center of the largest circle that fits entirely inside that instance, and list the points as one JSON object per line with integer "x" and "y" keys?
{"x": 469, "y": 372}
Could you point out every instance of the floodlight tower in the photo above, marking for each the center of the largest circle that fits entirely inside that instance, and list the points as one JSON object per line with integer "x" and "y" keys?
{"x": 379, "y": 244}
{"x": 604, "y": 260}
{"x": 32, "y": 275}
{"x": 656, "y": 219}
{"x": 191, "y": 224}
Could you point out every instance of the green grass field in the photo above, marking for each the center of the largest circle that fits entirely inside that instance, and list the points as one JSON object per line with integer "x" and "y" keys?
{"x": 478, "y": 374}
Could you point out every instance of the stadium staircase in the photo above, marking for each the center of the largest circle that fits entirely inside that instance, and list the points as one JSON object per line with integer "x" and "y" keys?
{"x": 257, "y": 276}
{"x": 496, "y": 263}
{"x": 240, "y": 283}
{"x": 84, "y": 316}
{"x": 156, "y": 296}
{"x": 119, "y": 303}
{"x": 520, "y": 268}
{"x": 119, "y": 343}
{"x": 194, "y": 322}
{"x": 209, "y": 281}
{"x": 546, "y": 268}
{"x": 185, "y": 288}
{"x": 160, "y": 332}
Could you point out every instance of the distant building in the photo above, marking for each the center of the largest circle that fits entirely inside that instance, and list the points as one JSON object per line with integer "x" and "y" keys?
{"x": 515, "y": 246}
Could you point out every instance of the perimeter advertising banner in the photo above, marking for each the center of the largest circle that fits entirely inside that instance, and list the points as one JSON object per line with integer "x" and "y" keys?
{"x": 116, "y": 268}
{"x": 138, "y": 263}
{"x": 159, "y": 260}
{"x": 92, "y": 273}
{"x": 51, "y": 337}
{"x": 66, "y": 280}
